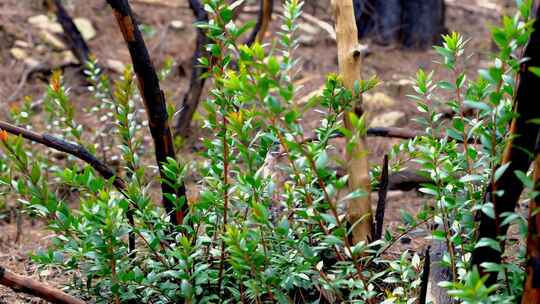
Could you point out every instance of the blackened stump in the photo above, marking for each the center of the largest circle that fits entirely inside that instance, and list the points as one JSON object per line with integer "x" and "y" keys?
{"x": 416, "y": 24}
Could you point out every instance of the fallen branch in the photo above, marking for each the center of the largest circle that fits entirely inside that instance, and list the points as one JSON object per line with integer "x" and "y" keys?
{"x": 154, "y": 101}
{"x": 325, "y": 26}
{"x": 407, "y": 180}
{"x": 35, "y": 288}
{"x": 263, "y": 21}
{"x": 394, "y": 132}
{"x": 74, "y": 38}
{"x": 391, "y": 132}
{"x": 196, "y": 83}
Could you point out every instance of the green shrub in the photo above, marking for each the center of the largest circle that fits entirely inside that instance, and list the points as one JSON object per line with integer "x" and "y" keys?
{"x": 265, "y": 225}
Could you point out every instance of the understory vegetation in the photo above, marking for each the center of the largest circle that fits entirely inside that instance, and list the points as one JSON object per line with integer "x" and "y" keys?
{"x": 265, "y": 222}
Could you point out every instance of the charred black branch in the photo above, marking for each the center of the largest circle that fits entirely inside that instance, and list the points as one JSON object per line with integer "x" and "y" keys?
{"x": 425, "y": 277}
{"x": 381, "y": 203}
{"x": 196, "y": 83}
{"x": 154, "y": 101}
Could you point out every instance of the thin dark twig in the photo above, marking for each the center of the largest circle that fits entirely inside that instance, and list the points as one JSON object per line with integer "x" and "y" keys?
{"x": 391, "y": 132}
{"x": 263, "y": 20}
{"x": 196, "y": 83}
{"x": 154, "y": 101}
{"x": 32, "y": 287}
{"x": 35, "y": 69}
{"x": 381, "y": 203}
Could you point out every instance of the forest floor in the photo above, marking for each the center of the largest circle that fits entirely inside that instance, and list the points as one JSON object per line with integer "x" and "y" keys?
{"x": 169, "y": 33}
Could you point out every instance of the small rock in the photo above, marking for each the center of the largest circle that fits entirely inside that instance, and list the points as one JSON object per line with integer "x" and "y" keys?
{"x": 307, "y": 40}
{"x": 388, "y": 119}
{"x": 22, "y": 44}
{"x": 308, "y": 28}
{"x": 405, "y": 240}
{"x": 68, "y": 58}
{"x": 31, "y": 62}
{"x": 116, "y": 65}
{"x": 41, "y": 49}
{"x": 178, "y": 25}
{"x": 45, "y": 23}
{"x": 18, "y": 53}
{"x": 52, "y": 40}
{"x": 85, "y": 27}
{"x": 399, "y": 87}
{"x": 378, "y": 101}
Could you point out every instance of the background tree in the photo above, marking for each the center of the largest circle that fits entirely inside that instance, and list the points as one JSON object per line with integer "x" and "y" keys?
{"x": 411, "y": 23}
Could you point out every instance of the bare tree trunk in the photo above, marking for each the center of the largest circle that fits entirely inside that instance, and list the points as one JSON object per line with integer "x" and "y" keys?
{"x": 359, "y": 211}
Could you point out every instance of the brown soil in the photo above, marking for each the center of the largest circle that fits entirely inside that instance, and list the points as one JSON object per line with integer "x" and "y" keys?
{"x": 318, "y": 59}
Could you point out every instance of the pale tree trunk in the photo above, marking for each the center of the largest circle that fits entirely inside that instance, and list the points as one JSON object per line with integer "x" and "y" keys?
{"x": 359, "y": 211}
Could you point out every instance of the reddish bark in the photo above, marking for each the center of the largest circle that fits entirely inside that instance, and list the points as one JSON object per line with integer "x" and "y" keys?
{"x": 32, "y": 287}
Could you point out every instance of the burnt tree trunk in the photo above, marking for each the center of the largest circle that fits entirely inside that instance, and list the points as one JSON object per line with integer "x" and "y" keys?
{"x": 531, "y": 288}
{"x": 517, "y": 155}
{"x": 411, "y": 23}
{"x": 196, "y": 83}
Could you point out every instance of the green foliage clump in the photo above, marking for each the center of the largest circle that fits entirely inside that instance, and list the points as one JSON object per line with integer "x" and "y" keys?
{"x": 266, "y": 224}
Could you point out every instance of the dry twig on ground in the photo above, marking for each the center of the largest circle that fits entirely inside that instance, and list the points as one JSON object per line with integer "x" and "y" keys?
{"x": 32, "y": 287}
